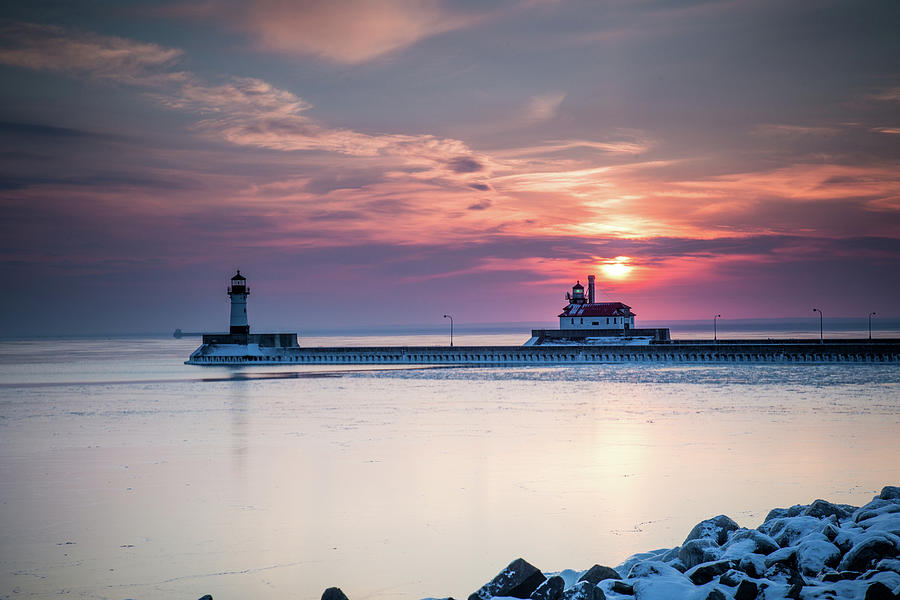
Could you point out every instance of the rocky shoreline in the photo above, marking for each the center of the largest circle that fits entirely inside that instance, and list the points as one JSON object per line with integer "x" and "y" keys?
{"x": 816, "y": 551}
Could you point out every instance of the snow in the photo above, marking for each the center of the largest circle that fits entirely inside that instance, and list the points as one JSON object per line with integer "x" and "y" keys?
{"x": 805, "y": 552}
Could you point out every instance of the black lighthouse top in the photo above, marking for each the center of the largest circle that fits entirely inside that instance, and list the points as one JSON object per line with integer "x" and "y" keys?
{"x": 238, "y": 284}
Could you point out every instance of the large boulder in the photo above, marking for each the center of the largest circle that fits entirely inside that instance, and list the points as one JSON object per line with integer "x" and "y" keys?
{"x": 706, "y": 572}
{"x": 749, "y": 541}
{"x": 333, "y": 593}
{"x": 867, "y": 551}
{"x": 822, "y": 509}
{"x": 551, "y": 589}
{"x": 879, "y": 591}
{"x": 889, "y": 492}
{"x": 518, "y": 580}
{"x": 598, "y": 573}
{"x": 788, "y": 531}
{"x": 698, "y": 551}
{"x": 753, "y": 565}
{"x": 716, "y": 528}
{"x": 875, "y": 508}
{"x": 584, "y": 590}
{"x": 746, "y": 590}
{"x": 651, "y": 568}
{"x": 814, "y": 555}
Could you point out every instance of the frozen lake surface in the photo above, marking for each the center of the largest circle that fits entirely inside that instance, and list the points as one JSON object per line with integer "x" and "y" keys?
{"x": 126, "y": 474}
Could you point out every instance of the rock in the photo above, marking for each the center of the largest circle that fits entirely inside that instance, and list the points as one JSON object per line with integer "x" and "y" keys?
{"x": 716, "y": 529}
{"x": 708, "y": 571}
{"x": 715, "y": 594}
{"x": 875, "y": 508}
{"x": 830, "y": 532}
{"x": 747, "y": 590}
{"x": 698, "y": 551}
{"x": 551, "y": 589}
{"x": 784, "y": 556}
{"x": 814, "y": 555}
{"x": 776, "y": 513}
{"x": 206, "y": 597}
{"x": 333, "y": 593}
{"x": 518, "y": 580}
{"x": 745, "y": 541}
{"x": 584, "y": 590}
{"x": 649, "y": 568}
{"x": 794, "y": 592}
{"x": 868, "y": 551}
{"x": 598, "y": 573}
{"x": 753, "y": 565}
{"x": 790, "y": 530}
{"x": 879, "y": 591}
{"x": 822, "y": 509}
{"x": 888, "y": 564}
{"x": 634, "y": 559}
{"x": 620, "y": 587}
{"x": 731, "y": 578}
{"x": 669, "y": 555}
{"x": 889, "y": 492}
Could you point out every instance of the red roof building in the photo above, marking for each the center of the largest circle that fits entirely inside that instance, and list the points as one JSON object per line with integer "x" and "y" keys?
{"x": 584, "y": 313}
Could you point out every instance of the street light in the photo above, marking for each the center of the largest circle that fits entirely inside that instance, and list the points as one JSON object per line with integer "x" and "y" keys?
{"x": 451, "y": 328}
{"x": 821, "y": 334}
{"x": 871, "y": 314}
{"x": 714, "y": 326}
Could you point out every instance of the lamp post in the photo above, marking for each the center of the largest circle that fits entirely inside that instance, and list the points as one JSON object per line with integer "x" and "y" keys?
{"x": 871, "y": 314}
{"x": 451, "y": 328}
{"x": 714, "y": 327}
{"x": 821, "y": 334}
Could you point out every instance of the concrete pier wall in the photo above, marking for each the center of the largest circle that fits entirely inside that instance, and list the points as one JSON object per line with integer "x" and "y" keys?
{"x": 734, "y": 351}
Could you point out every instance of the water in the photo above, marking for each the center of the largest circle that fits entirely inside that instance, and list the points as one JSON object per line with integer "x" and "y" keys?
{"x": 126, "y": 474}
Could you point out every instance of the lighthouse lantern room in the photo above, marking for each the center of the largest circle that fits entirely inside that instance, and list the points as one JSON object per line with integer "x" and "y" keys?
{"x": 238, "y": 293}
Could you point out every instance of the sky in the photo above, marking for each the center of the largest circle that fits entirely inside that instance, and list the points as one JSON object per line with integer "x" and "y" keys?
{"x": 386, "y": 162}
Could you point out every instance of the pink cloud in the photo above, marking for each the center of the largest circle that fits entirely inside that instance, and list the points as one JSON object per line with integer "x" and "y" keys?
{"x": 49, "y": 48}
{"x": 350, "y": 31}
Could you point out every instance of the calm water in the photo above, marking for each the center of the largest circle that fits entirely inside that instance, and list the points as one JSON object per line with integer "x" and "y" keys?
{"x": 126, "y": 474}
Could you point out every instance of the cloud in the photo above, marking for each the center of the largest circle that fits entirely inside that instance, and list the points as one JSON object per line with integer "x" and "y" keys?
{"x": 891, "y": 94}
{"x": 50, "y": 48}
{"x": 543, "y": 107}
{"x": 464, "y": 164}
{"x": 794, "y": 130}
{"x": 244, "y": 111}
{"x": 348, "y": 32}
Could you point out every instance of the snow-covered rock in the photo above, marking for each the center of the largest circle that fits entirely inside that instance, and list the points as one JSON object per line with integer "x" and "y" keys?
{"x": 518, "y": 580}
{"x": 817, "y": 551}
{"x": 716, "y": 529}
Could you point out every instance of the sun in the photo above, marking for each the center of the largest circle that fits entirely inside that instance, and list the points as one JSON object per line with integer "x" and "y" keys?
{"x": 617, "y": 268}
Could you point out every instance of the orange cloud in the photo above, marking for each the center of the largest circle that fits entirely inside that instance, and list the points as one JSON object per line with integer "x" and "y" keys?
{"x": 350, "y": 31}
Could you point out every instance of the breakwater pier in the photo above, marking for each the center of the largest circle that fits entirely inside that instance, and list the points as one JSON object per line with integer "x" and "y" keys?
{"x": 686, "y": 351}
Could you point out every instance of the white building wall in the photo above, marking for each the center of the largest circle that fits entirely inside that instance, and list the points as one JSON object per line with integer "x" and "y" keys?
{"x": 238, "y": 310}
{"x": 595, "y": 322}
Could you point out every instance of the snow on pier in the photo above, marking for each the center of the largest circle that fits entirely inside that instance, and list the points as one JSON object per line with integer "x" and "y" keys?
{"x": 730, "y": 351}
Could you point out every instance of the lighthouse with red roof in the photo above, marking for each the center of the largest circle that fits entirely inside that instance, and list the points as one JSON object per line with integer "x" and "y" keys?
{"x": 585, "y": 313}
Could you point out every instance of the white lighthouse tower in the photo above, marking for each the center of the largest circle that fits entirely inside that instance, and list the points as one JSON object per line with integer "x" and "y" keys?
{"x": 238, "y": 293}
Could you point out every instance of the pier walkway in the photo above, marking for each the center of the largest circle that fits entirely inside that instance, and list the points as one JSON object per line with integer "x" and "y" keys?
{"x": 687, "y": 351}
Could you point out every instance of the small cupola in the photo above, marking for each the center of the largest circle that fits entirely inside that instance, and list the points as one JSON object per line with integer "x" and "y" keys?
{"x": 238, "y": 284}
{"x": 578, "y": 293}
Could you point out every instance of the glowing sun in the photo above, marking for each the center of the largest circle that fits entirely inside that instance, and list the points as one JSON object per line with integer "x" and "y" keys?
{"x": 617, "y": 268}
